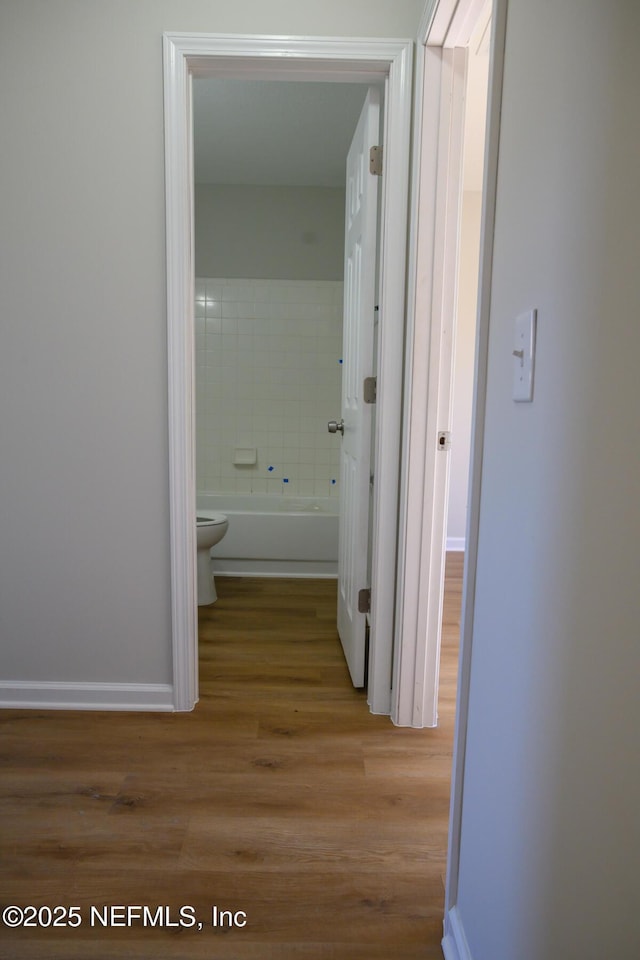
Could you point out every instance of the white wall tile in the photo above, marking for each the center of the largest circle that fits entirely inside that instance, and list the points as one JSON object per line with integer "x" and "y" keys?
{"x": 267, "y": 375}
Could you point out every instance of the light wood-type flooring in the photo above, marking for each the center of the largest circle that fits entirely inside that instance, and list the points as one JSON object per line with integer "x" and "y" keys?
{"x": 280, "y": 798}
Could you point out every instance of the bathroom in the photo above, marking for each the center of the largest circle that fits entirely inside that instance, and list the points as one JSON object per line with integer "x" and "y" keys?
{"x": 269, "y": 162}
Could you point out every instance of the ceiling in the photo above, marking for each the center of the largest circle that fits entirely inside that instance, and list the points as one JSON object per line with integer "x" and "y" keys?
{"x": 298, "y": 133}
{"x": 274, "y": 132}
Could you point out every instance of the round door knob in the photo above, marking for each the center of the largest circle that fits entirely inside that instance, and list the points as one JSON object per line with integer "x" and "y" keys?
{"x": 336, "y": 426}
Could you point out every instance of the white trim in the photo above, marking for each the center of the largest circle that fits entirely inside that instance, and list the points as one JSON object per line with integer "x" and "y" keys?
{"x": 445, "y": 32}
{"x": 454, "y": 943}
{"x": 456, "y": 544}
{"x": 441, "y": 20}
{"x": 492, "y": 145}
{"x": 388, "y": 420}
{"x": 463, "y": 22}
{"x": 45, "y": 695}
{"x": 434, "y": 285}
{"x": 181, "y": 379}
{"x": 329, "y": 59}
{"x": 425, "y": 26}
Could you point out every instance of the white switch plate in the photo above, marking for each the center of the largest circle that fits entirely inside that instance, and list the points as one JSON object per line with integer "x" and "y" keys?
{"x": 524, "y": 348}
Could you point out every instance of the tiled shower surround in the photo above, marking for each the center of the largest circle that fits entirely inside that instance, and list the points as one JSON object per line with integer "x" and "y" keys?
{"x": 268, "y": 365}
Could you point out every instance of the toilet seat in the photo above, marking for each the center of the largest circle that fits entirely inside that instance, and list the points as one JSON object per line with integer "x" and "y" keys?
{"x": 212, "y": 521}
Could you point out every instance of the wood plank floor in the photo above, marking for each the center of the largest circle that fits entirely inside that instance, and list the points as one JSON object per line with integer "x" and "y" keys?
{"x": 280, "y": 796}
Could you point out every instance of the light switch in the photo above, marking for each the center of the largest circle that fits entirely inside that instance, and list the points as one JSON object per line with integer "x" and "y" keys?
{"x": 523, "y": 356}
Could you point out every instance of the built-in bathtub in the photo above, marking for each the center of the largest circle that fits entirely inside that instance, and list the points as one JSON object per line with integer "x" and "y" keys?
{"x": 273, "y": 536}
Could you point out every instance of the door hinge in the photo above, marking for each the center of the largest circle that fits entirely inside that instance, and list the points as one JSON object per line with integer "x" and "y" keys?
{"x": 369, "y": 389}
{"x": 444, "y": 440}
{"x": 375, "y": 161}
{"x": 364, "y": 600}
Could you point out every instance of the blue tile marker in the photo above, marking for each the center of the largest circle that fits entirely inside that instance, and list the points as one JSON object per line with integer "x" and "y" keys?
{"x": 270, "y": 469}
{"x": 333, "y": 482}
{"x": 285, "y": 479}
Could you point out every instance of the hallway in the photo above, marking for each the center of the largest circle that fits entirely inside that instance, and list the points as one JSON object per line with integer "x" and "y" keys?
{"x": 280, "y": 798}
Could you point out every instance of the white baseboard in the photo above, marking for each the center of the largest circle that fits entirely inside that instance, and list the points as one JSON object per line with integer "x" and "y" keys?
{"x": 456, "y": 543}
{"x": 44, "y": 695}
{"x": 454, "y": 944}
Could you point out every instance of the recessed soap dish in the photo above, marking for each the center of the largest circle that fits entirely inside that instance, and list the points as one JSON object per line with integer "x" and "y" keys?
{"x": 245, "y": 456}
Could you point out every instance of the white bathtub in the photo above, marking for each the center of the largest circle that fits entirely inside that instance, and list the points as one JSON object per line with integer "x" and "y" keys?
{"x": 272, "y": 536}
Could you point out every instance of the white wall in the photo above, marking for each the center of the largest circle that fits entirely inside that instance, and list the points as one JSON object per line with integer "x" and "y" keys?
{"x": 267, "y": 232}
{"x": 464, "y": 368}
{"x": 550, "y": 836}
{"x": 84, "y": 525}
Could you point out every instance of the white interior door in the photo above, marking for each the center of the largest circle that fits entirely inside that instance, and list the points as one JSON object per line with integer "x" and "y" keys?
{"x": 355, "y": 437}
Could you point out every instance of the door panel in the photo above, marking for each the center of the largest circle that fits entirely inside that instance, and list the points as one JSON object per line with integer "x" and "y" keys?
{"x": 359, "y": 311}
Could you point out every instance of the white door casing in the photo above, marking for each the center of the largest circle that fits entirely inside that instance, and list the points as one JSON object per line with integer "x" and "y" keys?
{"x": 343, "y": 60}
{"x": 454, "y": 939}
{"x": 439, "y": 207}
{"x": 361, "y": 203}
{"x": 445, "y": 32}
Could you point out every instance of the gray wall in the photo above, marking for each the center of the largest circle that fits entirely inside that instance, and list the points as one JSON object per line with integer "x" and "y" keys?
{"x": 84, "y": 523}
{"x": 550, "y": 826}
{"x": 269, "y": 233}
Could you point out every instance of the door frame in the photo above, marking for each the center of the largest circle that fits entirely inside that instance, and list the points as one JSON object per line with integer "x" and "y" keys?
{"x": 441, "y": 72}
{"x": 341, "y": 60}
{"x": 454, "y": 944}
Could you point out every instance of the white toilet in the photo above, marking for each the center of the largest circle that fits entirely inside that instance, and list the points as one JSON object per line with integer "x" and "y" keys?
{"x": 211, "y": 529}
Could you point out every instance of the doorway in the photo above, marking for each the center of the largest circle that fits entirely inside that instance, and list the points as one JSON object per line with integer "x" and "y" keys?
{"x": 389, "y": 62}
{"x": 274, "y": 164}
